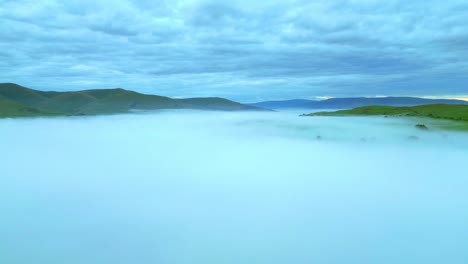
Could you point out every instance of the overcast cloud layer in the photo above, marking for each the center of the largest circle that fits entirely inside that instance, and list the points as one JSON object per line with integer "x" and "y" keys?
{"x": 243, "y": 50}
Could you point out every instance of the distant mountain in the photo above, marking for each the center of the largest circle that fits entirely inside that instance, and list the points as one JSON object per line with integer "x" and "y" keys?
{"x": 295, "y": 103}
{"x": 16, "y": 100}
{"x": 347, "y": 103}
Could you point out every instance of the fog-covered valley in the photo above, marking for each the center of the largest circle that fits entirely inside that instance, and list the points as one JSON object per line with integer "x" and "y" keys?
{"x": 176, "y": 187}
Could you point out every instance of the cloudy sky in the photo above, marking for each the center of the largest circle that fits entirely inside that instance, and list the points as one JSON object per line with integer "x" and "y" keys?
{"x": 244, "y": 50}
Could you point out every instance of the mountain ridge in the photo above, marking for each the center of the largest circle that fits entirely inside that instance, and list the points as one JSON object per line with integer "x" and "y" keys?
{"x": 17, "y": 100}
{"x": 353, "y": 102}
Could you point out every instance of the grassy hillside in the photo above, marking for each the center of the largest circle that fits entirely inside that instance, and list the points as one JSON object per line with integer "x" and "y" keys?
{"x": 213, "y": 103}
{"x": 17, "y": 93}
{"x": 457, "y": 113}
{"x": 444, "y": 111}
{"x": 16, "y": 100}
{"x": 347, "y": 103}
{"x": 124, "y": 101}
{"x": 15, "y": 109}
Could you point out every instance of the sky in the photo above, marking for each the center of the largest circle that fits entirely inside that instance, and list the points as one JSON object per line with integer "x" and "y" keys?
{"x": 243, "y": 50}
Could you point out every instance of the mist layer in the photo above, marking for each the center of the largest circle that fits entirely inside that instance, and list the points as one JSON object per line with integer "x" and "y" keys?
{"x": 209, "y": 187}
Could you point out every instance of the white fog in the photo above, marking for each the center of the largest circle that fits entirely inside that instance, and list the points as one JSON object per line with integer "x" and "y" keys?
{"x": 217, "y": 187}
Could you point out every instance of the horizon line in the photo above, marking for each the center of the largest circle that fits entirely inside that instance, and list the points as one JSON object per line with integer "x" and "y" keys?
{"x": 317, "y": 98}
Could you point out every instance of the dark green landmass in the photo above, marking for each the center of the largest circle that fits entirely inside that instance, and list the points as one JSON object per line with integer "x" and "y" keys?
{"x": 457, "y": 113}
{"x": 444, "y": 111}
{"x": 19, "y": 101}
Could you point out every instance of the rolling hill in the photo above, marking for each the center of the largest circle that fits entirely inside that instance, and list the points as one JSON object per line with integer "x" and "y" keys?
{"x": 18, "y": 101}
{"x": 456, "y": 113}
{"x": 442, "y": 111}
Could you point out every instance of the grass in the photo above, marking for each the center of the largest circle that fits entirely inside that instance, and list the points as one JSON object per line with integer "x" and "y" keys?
{"x": 21, "y": 101}
{"x": 456, "y": 113}
{"x": 15, "y": 109}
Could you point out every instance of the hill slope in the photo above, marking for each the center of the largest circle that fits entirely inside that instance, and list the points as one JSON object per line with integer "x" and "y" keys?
{"x": 442, "y": 111}
{"x": 16, "y": 100}
{"x": 16, "y": 109}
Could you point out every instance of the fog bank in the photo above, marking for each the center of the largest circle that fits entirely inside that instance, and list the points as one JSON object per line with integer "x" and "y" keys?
{"x": 214, "y": 187}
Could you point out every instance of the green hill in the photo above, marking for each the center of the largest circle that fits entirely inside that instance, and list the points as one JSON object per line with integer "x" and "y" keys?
{"x": 437, "y": 111}
{"x": 17, "y": 93}
{"x": 213, "y": 103}
{"x": 16, "y": 109}
{"x": 444, "y": 111}
{"x": 16, "y": 100}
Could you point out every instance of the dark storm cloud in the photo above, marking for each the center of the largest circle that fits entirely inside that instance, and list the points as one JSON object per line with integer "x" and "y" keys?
{"x": 244, "y": 50}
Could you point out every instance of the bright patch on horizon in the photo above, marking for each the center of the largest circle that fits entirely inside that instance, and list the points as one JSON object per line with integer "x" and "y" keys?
{"x": 452, "y": 97}
{"x": 460, "y": 98}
